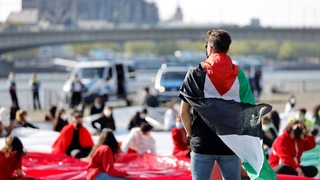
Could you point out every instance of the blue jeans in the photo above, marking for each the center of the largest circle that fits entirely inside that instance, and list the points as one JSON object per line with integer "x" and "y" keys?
{"x": 202, "y": 165}
{"x": 104, "y": 176}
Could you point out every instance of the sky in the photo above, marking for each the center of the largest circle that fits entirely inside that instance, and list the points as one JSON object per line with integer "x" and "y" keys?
{"x": 276, "y": 13}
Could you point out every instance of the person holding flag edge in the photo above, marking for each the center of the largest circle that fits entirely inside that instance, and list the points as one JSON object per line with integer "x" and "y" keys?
{"x": 220, "y": 117}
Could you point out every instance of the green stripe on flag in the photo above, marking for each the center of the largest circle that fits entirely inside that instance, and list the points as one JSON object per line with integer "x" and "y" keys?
{"x": 266, "y": 172}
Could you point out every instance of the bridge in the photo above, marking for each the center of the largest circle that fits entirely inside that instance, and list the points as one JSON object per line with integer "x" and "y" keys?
{"x": 10, "y": 41}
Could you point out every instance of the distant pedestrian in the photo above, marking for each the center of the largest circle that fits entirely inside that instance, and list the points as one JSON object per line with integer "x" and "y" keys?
{"x": 149, "y": 99}
{"x": 257, "y": 84}
{"x": 11, "y": 83}
{"x": 77, "y": 88}
{"x": 35, "y": 86}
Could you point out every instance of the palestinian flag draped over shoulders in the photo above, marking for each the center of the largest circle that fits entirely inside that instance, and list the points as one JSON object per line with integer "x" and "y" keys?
{"x": 220, "y": 93}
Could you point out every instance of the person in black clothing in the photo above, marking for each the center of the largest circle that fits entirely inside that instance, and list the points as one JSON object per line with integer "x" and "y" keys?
{"x": 60, "y": 120}
{"x": 150, "y": 100}
{"x": 13, "y": 111}
{"x": 270, "y": 133}
{"x": 77, "y": 88}
{"x": 50, "y": 113}
{"x": 97, "y": 106}
{"x": 13, "y": 89}
{"x": 35, "y": 85}
{"x": 105, "y": 120}
{"x": 138, "y": 119}
{"x": 275, "y": 118}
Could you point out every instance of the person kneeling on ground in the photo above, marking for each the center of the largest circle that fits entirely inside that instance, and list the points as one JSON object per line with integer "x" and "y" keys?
{"x": 11, "y": 159}
{"x": 105, "y": 120}
{"x": 287, "y": 150}
{"x": 74, "y": 139}
{"x": 181, "y": 144}
{"x": 102, "y": 158}
{"x": 139, "y": 140}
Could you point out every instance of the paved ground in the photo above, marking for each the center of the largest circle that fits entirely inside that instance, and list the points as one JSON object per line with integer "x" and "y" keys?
{"x": 305, "y": 100}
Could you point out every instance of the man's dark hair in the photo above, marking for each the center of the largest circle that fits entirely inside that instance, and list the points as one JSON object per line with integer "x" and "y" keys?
{"x": 220, "y": 40}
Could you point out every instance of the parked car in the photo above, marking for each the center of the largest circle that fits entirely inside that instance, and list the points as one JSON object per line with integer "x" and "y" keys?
{"x": 168, "y": 81}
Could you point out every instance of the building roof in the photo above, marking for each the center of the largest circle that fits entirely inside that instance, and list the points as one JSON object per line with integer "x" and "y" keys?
{"x": 26, "y": 16}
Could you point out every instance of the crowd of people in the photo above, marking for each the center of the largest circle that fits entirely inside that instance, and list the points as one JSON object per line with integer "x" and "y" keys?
{"x": 285, "y": 137}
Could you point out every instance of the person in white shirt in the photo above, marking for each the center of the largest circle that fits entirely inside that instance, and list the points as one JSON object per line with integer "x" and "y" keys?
{"x": 290, "y": 105}
{"x": 170, "y": 115}
{"x": 139, "y": 140}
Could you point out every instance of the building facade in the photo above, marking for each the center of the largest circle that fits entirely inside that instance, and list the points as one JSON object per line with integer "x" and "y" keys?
{"x": 68, "y": 12}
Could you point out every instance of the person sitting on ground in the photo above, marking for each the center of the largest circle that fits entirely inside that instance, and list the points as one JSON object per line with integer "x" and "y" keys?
{"x": 60, "y": 120}
{"x": 139, "y": 140}
{"x": 105, "y": 120}
{"x": 23, "y": 120}
{"x": 4, "y": 121}
{"x": 50, "y": 114}
{"x": 13, "y": 111}
{"x": 275, "y": 119}
{"x": 270, "y": 133}
{"x": 97, "y": 106}
{"x": 138, "y": 119}
{"x": 74, "y": 139}
{"x": 149, "y": 99}
{"x": 290, "y": 106}
{"x": 301, "y": 116}
{"x": 11, "y": 159}
{"x": 287, "y": 149}
{"x": 102, "y": 158}
{"x": 181, "y": 144}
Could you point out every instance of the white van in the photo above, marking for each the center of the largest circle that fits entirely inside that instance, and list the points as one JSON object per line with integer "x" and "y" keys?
{"x": 108, "y": 80}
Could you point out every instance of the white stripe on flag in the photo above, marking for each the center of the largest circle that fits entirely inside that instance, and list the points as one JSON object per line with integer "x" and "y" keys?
{"x": 247, "y": 148}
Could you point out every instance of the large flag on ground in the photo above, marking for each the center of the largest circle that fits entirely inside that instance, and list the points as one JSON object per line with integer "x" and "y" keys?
{"x": 220, "y": 93}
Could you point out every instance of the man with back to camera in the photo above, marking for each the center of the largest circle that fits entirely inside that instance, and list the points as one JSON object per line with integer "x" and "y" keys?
{"x": 216, "y": 77}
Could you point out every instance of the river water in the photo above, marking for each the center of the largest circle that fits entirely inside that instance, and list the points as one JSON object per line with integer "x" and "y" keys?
{"x": 51, "y": 85}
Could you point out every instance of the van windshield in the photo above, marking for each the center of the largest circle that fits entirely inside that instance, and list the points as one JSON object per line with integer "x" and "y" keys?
{"x": 91, "y": 73}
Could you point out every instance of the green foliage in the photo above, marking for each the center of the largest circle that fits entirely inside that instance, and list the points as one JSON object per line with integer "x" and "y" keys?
{"x": 166, "y": 47}
{"x": 140, "y": 47}
{"x": 24, "y": 53}
{"x": 259, "y": 47}
{"x": 83, "y": 49}
{"x": 191, "y": 45}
